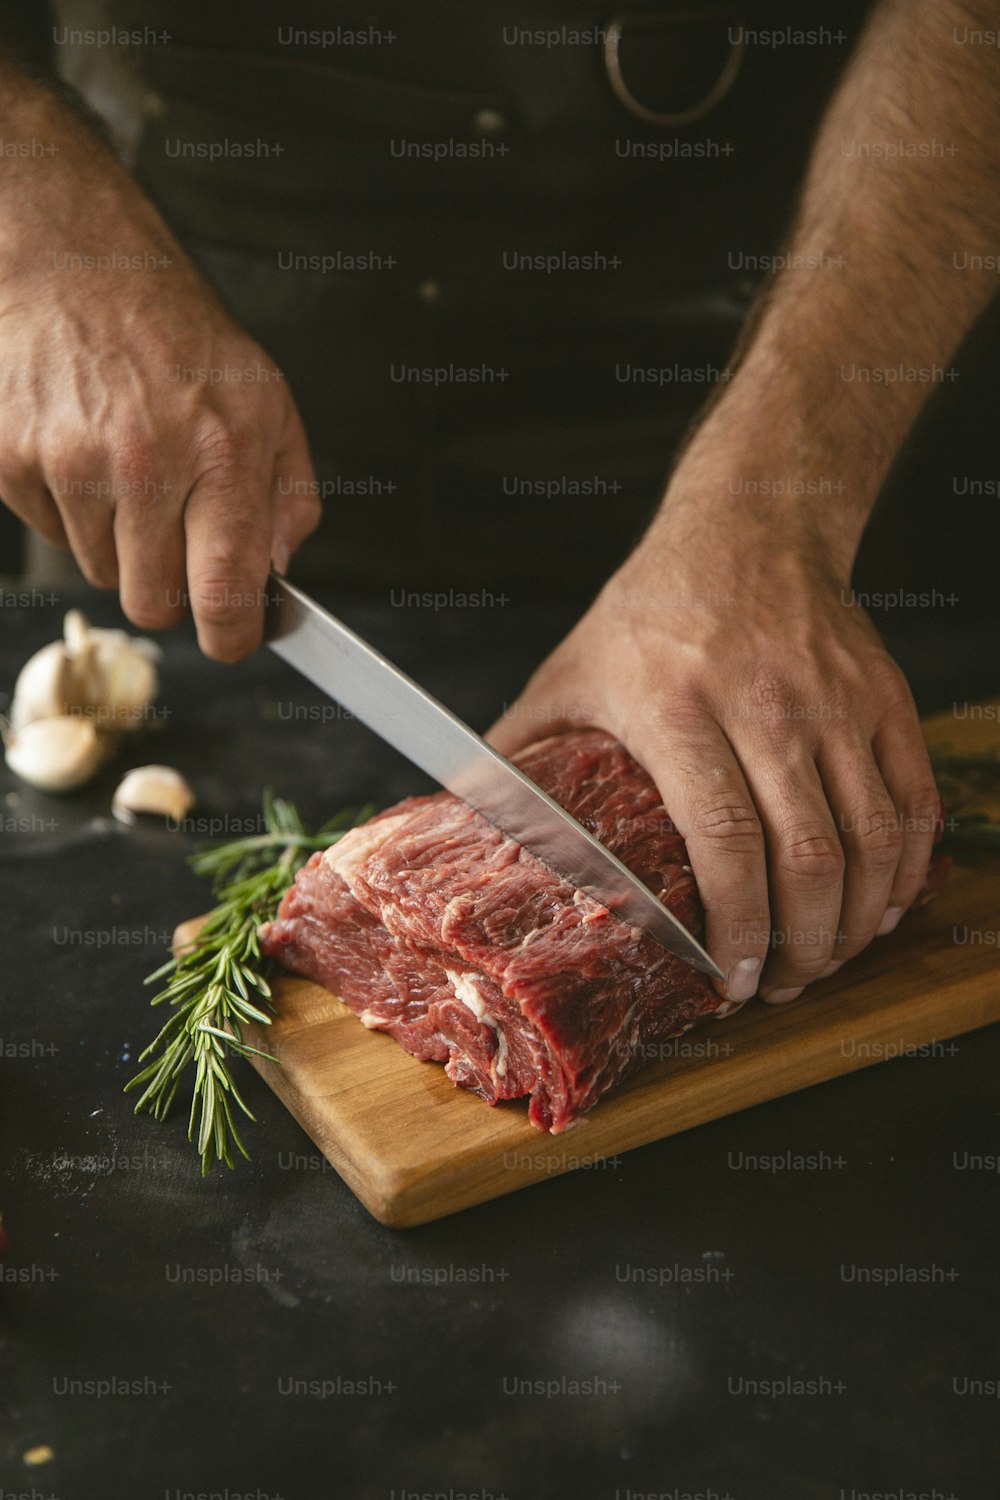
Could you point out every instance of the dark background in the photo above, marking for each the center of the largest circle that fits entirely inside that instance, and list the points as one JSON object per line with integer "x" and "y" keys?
{"x": 102, "y": 1208}
{"x": 106, "y": 1233}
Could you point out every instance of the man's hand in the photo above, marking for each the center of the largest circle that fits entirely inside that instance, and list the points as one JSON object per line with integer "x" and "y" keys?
{"x": 727, "y": 654}
{"x": 783, "y": 739}
{"x": 138, "y": 424}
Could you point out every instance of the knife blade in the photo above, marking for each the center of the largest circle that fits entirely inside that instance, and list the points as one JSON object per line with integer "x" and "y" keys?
{"x": 375, "y": 691}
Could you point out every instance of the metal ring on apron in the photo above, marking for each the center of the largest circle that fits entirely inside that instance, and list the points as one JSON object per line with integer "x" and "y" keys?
{"x": 650, "y": 21}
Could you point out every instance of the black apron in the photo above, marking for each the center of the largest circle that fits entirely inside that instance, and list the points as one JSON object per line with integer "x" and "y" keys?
{"x": 498, "y": 288}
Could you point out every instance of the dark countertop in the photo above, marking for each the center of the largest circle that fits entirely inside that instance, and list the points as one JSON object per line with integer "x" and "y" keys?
{"x": 669, "y": 1279}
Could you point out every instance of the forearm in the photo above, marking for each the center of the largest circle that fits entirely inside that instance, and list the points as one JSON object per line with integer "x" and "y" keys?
{"x": 66, "y": 202}
{"x": 880, "y": 284}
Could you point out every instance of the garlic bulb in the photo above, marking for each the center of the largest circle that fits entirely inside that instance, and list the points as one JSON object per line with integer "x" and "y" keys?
{"x": 107, "y": 675}
{"x": 55, "y": 754}
{"x": 152, "y": 789}
{"x": 92, "y": 680}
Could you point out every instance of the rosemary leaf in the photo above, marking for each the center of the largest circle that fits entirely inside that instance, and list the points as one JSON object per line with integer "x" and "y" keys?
{"x": 208, "y": 985}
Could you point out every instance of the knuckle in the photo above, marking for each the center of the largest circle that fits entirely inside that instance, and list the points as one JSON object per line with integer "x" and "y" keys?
{"x": 768, "y": 694}
{"x": 876, "y": 839}
{"x": 221, "y": 600}
{"x": 222, "y": 450}
{"x": 75, "y": 476}
{"x": 922, "y": 809}
{"x": 134, "y": 460}
{"x": 238, "y": 540}
{"x": 889, "y": 675}
{"x": 811, "y": 856}
{"x": 728, "y": 823}
{"x": 681, "y": 711}
{"x": 892, "y": 692}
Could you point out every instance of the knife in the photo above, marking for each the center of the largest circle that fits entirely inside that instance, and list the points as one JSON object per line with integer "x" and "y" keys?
{"x": 367, "y": 684}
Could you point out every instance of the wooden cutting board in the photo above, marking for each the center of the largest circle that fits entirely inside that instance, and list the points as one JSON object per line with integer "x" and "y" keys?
{"x": 413, "y": 1147}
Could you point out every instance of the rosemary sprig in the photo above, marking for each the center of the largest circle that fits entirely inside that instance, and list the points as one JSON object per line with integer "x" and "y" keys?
{"x": 218, "y": 983}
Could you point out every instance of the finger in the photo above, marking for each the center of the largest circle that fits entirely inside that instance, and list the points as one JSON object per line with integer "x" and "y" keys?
{"x": 295, "y": 506}
{"x": 805, "y": 865}
{"x": 227, "y": 524}
{"x": 906, "y": 770}
{"x": 526, "y": 720}
{"x": 706, "y": 795}
{"x": 32, "y": 504}
{"x": 83, "y": 495}
{"x": 149, "y": 539}
{"x": 542, "y": 708}
{"x": 870, "y": 832}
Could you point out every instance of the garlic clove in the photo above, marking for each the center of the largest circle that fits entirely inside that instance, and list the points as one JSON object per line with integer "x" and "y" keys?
{"x": 124, "y": 679}
{"x": 45, "y": 687}
{"x": 80, "y": 647}
{"x": 129, "y": 682}
{"x": 115, "y": 672}
{"x": 55, "y": 754}
{"x": 152, "y": 789}
{"x": 108, "y": 642}
{"x": 76, "y": 632}
{"x": 143, "y": 646}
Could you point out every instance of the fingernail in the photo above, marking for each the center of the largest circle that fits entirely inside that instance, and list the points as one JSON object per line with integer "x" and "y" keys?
{"x": 782, "y": 997}
{"x": 279, "y": 557}
{"x": 831, "y": 968}
{"x": 889, "y": 921}
{"x": 742, "y": 980}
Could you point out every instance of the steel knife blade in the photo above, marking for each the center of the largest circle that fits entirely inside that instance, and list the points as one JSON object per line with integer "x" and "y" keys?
{"x": 375, "y": 691}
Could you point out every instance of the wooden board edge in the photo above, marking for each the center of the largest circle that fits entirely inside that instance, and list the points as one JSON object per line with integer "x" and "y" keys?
{"x": 400, "y": 1198}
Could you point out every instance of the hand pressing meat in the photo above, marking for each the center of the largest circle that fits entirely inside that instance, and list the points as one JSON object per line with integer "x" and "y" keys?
{"x": 795, "y": 772}
{"x": 728, "y": 653}
{"x": 437, "y": 928}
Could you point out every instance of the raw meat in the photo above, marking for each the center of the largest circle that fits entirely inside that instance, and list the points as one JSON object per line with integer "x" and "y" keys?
{"x": 434, "y": 926}
{"x": 437, "y": 928}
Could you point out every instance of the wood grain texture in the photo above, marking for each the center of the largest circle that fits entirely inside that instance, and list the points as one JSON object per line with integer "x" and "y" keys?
{"x": 413, "y": 1147}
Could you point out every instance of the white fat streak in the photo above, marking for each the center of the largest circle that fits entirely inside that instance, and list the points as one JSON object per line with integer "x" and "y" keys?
{"x": 348, "y": 855}
{"x": 500, "y": 1062}
{"x": 467, "y": 991}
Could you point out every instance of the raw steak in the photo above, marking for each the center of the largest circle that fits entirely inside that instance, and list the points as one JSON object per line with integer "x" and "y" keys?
{"x": 434, "y": 926}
